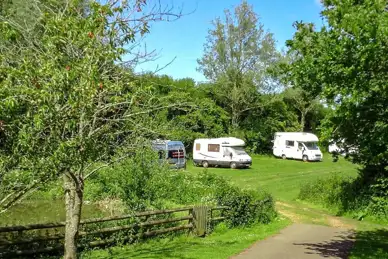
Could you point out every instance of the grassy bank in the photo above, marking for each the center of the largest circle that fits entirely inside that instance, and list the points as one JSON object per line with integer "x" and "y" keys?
{"x": 349, "y": 196}
{"x": 222, "y": 243}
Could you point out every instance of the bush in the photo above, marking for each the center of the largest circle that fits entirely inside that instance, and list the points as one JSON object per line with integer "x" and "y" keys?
{"x": 245, "y": 206}
{"x": 360, "y": 197}
{"x": 142, "y": 185}
{"x": 326, "y": 191}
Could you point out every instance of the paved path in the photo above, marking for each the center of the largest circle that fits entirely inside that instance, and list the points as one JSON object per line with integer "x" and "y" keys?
{"x": 302, "y": 241}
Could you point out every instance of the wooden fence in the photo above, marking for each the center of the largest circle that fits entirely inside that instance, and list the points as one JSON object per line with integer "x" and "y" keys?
{"x": 35, "y": 239}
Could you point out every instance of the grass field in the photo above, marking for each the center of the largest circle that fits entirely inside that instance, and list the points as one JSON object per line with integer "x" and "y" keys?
{"x": 281, "y": 178}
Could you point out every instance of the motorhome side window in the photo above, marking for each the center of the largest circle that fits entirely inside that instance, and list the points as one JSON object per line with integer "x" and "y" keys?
{"x": 213, "y": 148}
{"x": 197, "y": 147}
{"x": 289, "y": 143}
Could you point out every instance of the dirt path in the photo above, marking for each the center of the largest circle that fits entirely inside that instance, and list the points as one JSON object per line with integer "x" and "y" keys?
{"x": 303, "y": 241}
{"x": 302, "y": 214}
{"x": 314, "y": 234}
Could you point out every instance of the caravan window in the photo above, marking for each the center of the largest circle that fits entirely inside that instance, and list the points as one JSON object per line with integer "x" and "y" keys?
{"x": 197, "y": 147}
{"x": 176, "y": 154}
{"x": 289, "y": 143}
{"x": 213, "y": 148}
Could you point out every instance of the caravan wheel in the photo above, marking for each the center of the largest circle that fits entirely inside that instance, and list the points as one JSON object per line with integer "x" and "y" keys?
{"x": 205, "y": 164}
{"x": 233, "y": 165}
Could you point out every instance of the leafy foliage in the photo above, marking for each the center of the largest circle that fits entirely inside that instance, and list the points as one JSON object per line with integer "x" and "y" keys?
{"x": 67, "y": 101}
{"x": 345, "y": 63}
{"x": 236, "y": 56}
{"x": 246, "y": 207}
{"x": 142, "y": 183}
{"x": 359, "y": 197}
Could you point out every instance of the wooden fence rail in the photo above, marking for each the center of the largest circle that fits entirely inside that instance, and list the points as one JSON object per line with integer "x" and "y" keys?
{"x": 14, "y": 243}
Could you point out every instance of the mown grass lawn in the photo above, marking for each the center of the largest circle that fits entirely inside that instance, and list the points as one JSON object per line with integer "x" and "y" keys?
{"x": 281, "y": 178}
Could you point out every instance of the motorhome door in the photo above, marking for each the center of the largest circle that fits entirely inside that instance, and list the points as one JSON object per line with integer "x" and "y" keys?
{"x": 227, "y": 154}
{"x": 290, "y": 150}
{"x": 215, "y": 152}
{"x": 299, "y": 151}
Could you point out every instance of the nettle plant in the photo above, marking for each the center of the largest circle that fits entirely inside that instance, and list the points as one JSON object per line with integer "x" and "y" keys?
{"x": 67, "y": 101}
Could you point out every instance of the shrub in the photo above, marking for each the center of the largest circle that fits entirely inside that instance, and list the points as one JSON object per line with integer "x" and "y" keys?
{"x": 326, "y": 191}
{"x": 360, "y": 197}
{"x": 245, "y": 206}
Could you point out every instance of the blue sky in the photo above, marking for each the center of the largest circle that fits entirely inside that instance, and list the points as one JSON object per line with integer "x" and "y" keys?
{"x": 184, "y": 38}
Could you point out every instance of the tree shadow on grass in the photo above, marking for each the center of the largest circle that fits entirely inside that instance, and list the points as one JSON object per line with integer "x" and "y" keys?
{"x": 338, "y": 248}
{"x": 367, "y": 245}
{"x": 371, "y": 244}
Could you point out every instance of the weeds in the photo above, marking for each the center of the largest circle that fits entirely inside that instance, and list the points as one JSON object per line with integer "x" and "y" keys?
{"x": 360, "y": 197}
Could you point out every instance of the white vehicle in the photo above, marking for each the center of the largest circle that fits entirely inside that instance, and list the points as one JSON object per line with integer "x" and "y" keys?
{"x": 338, "y": 148}
{"x": 297, "y": 145}
{"x": 333, "y": 148}
{"x": 227, "y": 152}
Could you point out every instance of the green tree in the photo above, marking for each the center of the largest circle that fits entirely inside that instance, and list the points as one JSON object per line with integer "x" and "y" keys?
{"x": 204, "y": 118}
{"x": 345, "y": 62}
{"x": 67, "y": 108}
{"x": 302, "y": 102}
{"x": 236, "y": 56}
{"x": 261, "y": 124}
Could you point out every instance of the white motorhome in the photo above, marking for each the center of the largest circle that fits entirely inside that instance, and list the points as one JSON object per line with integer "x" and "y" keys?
{"x": 227, "y": 152}
{"x": 339, "y": 149}
{"x": 297, "y": 145}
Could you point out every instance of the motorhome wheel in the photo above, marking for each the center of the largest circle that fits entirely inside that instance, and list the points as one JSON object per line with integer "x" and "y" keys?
{"x": 305, "y": 158}
{"x": 205, "y": 164}
{"x": 233, "y": 165}
{"x": 284, "y": 156}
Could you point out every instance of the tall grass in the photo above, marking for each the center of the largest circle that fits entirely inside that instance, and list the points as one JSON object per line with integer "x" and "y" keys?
{"x": 361, "y": 197}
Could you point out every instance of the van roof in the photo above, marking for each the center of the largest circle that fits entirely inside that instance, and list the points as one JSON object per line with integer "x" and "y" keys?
{"x": 225, "y": 141}
{"x": 168, "y": 142}
{"x": 298, "y": 136}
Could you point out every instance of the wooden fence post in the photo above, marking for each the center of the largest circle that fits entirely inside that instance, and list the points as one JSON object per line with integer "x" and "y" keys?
{"x": 200, "y": 218}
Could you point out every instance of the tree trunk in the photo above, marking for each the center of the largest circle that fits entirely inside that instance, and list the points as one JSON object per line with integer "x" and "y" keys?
{"x": 73, "y": 186}
{"x": 235, "y": 120}
{"x": 302, "y": 121}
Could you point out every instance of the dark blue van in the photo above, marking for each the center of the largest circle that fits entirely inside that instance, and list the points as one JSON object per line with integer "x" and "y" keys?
{"x": 172, "y": 151}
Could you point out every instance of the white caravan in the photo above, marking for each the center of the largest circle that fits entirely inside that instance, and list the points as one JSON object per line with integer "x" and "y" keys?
{"x": 227, "y": 152}
{"x": 297, "y": 145}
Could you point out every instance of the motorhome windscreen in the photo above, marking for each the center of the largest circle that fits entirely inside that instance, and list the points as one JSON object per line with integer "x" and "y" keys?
{"x": 176, "y": 154}
{"x": 240, "y": 151}
{"x": 311, "y": 145}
